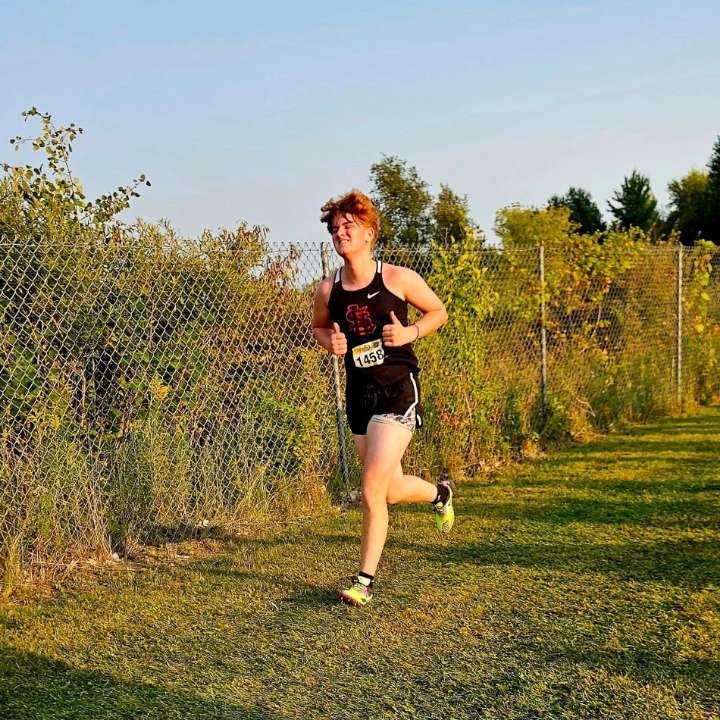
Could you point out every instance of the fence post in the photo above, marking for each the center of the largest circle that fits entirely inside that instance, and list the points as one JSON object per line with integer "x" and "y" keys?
{"x": 678, "y": 331}
{"x": 543, "y": 333}
{"x": 339, "y": 421}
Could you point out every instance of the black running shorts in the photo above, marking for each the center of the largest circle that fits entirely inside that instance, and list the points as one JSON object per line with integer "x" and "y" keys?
{"x": 396, "y": 403}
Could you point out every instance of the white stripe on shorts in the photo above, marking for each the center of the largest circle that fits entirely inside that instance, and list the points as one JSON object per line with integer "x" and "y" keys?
{"x": 410, "y": 409}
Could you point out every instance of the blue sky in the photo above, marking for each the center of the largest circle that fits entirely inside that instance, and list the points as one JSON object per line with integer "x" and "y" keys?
{"x": 260, "y": 112}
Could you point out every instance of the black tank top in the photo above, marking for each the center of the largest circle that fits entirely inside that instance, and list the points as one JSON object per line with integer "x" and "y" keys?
{"x": 361, "y": 315}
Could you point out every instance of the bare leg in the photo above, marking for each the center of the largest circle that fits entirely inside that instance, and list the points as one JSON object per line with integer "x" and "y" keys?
{"x": 402, "y": 488}
{"x": 384, "y": 447}
{"x": 360, "y": 445}
{"x": 409, "y": 488}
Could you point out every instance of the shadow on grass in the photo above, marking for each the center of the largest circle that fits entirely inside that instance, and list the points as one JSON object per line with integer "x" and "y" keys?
{"x": 614, "y": 510}
{"x": 301, "y": 593}
{"x": 701, "y": 429}
{"x": 34, "y": 687}
{"x": 688, "y": 564}
{"x": 650, "y": 447}
{"x": 644, "y": 486}
{"x": 158, "y": 535}
{"x": 647, "y": 664}
{"x": 545, "y": 498}
{"x": 691, "y": 564}
{"x": 700, "y": 426}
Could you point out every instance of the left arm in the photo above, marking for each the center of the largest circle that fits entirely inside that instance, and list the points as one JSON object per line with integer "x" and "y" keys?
{"x": 417, "y": 292}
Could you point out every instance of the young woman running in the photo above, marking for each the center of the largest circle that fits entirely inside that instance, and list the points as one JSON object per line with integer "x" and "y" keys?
{"x": 361, "y": 313}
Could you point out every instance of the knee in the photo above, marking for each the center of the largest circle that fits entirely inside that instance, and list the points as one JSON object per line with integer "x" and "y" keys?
{"x": 374, "y": 503}
{"x": 374, "y": 492}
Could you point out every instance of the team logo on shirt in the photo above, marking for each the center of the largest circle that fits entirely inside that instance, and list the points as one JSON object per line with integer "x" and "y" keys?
{"x": 359, "y": 320}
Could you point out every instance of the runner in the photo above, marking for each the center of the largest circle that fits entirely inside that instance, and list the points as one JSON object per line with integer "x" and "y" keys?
{"x": 361, "y": 313}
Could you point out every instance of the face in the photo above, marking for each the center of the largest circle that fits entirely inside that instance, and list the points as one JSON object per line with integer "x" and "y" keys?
{"x": 349, "y": 236}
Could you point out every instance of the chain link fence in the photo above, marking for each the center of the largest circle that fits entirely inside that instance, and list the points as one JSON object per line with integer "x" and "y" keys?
{"x": 153, "y": 388}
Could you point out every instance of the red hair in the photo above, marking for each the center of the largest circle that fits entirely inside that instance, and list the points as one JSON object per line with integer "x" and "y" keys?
{"x": 353, "y": 203}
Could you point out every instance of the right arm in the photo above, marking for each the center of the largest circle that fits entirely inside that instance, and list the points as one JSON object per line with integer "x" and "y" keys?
{"x": 326, "y": 332}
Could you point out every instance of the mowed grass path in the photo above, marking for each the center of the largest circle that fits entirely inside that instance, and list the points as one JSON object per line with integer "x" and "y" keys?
{"x": 585, "y": 585}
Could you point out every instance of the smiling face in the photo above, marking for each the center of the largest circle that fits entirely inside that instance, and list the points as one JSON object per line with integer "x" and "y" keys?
{"x": 352, "y": 222}
{"x": 349, "y": 236}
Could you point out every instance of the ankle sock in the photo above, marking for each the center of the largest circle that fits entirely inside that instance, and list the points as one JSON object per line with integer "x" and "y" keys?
{"x": 443, "y": 493}
{"x": 365, "y": 579}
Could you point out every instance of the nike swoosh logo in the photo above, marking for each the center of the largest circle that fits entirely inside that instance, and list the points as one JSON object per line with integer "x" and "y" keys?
{"x": 372, "y": 295}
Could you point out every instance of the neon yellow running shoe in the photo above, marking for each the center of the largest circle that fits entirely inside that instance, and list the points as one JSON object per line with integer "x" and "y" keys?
{"x": 444, "y": 513}
{"x": 357, "y": 594}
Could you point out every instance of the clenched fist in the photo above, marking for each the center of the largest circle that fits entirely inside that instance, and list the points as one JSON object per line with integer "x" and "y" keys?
{"x": 338, "y": 341}
{"x": 396, "y": 334}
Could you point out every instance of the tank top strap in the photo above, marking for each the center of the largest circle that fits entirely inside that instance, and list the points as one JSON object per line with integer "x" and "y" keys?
{"x": 379, "y": 280}
{"x": 378, "y": 271}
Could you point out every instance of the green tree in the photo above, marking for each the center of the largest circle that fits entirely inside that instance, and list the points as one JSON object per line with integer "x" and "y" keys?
{"x": 634, "y": 204}
{"x": 712, "y": 205}
{"x": 584, "y": 211}
{"x": 403, "y": 202}
{"x": 688, "y": 203}
{"x": 451, "y": 221}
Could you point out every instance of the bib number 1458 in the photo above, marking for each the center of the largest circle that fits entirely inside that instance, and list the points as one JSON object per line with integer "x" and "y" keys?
{"x": 368, "y": 354}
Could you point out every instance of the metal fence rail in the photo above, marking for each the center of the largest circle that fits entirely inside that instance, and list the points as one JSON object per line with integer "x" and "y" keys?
{"x": 150, "y": 388}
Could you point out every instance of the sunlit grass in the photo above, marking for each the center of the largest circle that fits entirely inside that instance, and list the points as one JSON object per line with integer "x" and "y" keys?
{"x": 585, "y": 585}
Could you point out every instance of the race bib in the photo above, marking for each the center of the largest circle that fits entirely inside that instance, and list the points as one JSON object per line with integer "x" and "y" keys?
{"x": 368, "y": 354}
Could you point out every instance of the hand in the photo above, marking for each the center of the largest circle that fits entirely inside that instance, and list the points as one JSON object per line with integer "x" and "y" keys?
{"x": 338, "y": 341}
{"x": 395, "y": 334}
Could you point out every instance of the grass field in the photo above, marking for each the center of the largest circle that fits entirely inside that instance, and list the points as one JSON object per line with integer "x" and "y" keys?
{"x": 585, "y": 585}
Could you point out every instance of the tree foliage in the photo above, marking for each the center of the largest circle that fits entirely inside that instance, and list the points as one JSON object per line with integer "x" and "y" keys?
{"x": 712, "y": 204}
{"x": 584, "y": 211}
{"x": 403, "y": 202}
{"x": 451, "y": 221}
{"x": 695, "y": 203}
{"x": 634, "y": 204}
{"x": 688, "y": 203}
{"x": 410, "y": 218}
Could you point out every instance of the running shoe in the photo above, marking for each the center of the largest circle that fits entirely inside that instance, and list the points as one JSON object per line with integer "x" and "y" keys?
{"x": 444, "y": 513}
{"x": 357, "y": 594}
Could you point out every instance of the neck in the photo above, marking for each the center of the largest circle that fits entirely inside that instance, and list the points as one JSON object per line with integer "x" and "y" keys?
{"x": 358, "y": 268}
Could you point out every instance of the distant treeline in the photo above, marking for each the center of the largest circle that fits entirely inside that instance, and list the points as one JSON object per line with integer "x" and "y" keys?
{"x": 411, "y": 217}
